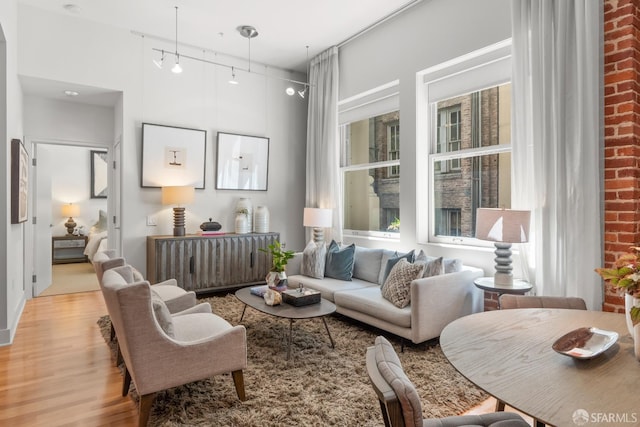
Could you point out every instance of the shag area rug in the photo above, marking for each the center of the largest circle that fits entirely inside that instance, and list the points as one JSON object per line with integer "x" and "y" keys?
{"x": 317, "y": 386}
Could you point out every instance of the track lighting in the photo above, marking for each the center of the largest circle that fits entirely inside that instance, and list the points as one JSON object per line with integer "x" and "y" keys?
{"x": 233, "y": 80}
{"x": 159, "y": 62}
{"x": 177, "y": 69}
{"x": 246, "y": 31}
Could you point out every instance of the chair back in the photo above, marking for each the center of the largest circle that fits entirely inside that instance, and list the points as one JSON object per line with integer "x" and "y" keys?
{"x": 508, "y": 301}
{"x": 104, "y": 260}
{"x": 399, "y": 400}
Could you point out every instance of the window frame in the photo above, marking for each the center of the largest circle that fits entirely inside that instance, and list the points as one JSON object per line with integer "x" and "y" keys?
{"x": 372, "y": 103}
{"x": 476, "y": 71}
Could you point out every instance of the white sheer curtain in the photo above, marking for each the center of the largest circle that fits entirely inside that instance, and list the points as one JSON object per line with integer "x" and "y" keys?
{"x": 557, "y": 149}
{"x": 323, "y": 167}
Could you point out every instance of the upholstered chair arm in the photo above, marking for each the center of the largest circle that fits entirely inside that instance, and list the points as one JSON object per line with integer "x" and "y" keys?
{"x": 439, "y": 300}
{"x": 168, "y": 282}
{"x": 203, "y": 307}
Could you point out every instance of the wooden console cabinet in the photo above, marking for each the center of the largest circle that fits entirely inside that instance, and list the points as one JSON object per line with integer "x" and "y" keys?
{"x": 209, "y": 263}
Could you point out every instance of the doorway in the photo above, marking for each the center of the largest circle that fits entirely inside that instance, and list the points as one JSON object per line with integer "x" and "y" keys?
{"x": 70, "y": 215}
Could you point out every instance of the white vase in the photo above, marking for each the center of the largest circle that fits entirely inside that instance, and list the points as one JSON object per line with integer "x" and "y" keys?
{"x": 630, "y": 301}
{"x": 245, "y": 203}
{"x": 242, "y": 223}
{"x": 261, "y": 220}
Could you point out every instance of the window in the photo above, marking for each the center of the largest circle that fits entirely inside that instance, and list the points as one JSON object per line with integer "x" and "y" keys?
{"x": 393, "y": 147}
{"x": 467, "y": 136}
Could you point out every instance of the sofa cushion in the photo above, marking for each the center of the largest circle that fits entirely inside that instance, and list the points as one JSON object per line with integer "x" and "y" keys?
{"x": 450, "y": 265}
{"x": 397, "y": 287}
{"x": 391, "y": 370}
{"x": 162, "y": 315}
{"x": 314, "y": 257}
{"x": 369, "y": 300}
{"x": 409, "y": 256}
{"x": 339, "y": 264}
{"x": 366, "y": 265}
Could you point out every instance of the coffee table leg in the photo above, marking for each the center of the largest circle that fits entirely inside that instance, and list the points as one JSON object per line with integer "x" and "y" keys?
{"x": 243, "y": 310}
{"x": 328, "y": 333}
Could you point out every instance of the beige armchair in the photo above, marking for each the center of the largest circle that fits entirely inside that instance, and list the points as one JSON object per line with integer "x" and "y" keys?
{"x": 508, "y": 301}
{"x": 161, "y": 350}
{"x": 399, "y": 400}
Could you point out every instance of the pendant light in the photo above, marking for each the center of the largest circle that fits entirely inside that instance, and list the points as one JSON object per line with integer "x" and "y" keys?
{"x": 233, "y": 80}
{"x": 159, "y": 62}
{"x": 248, "y": 32}
{"x": 177, "y": 69}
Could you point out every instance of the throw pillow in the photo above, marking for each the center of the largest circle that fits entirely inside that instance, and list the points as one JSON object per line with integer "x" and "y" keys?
{"x": 339, "y": 264}
{"x": 450, "y": 265}
{"x": 410, "y": 256}
{"x": 162, "y": 315}
{"x": 432, "y": 268}
{"x": 137, "y": 276}
{"x": 314, "y": 257}
{"x": 397, "y": 287}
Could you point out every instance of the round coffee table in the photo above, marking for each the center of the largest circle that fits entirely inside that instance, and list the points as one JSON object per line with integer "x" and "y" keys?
{"x": 519, "y": 287}
{"x": 287, "y": 311}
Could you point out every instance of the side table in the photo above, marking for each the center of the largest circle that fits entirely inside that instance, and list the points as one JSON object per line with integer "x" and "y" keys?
{"x": 519, "y": 287}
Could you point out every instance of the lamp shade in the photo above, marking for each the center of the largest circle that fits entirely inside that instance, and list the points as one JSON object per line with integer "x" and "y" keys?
{"x": 317, "y": 217}
{"x": 177, "y": 195}
{"x": 502, "y": 225}
{"x": 70, "y": 210}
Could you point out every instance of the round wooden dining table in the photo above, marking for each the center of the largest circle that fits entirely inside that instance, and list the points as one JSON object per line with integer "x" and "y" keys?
{"x": 508, "y": 353}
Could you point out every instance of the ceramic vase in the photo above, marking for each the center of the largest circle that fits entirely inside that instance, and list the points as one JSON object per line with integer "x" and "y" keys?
{"x": 634, "y": 331}
{"x": 242, "y": 224}
{"x": 261, "y": 220}
{"x": 245, "y": 203}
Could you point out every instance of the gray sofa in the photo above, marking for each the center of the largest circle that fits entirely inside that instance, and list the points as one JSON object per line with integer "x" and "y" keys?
{"x": 435, "y": 301}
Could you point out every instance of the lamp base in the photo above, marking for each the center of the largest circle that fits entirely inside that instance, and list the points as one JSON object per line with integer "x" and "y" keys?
{"x": 503, "y": 276}
{"x": 318, "y": 235}
{"x": 71, "y": 225}
{"x": 178, "y": 222}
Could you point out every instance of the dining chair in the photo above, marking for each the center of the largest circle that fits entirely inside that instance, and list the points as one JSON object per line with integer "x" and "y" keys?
{"x": 163, "y": 351}
{"x": 508, "y": 301}
{"x": 399, "y": 400}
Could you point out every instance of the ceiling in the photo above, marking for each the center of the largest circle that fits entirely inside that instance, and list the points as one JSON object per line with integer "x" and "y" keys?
{"x": 285, "y": 27}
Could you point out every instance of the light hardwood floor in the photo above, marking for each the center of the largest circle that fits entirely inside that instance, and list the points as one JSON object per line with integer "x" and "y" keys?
{"x": 59, "y": 371}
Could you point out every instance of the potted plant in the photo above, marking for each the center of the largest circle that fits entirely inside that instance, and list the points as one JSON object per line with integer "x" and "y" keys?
{"x": 279, "y": 258}
{"x": 625, "y": 277}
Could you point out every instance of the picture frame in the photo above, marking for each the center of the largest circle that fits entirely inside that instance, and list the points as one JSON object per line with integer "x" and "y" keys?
{"x": 19, "y": 182}
{"x": 99, "y": 168}
{"x": 172, "y": 156}
{"x": 242, "y": 162}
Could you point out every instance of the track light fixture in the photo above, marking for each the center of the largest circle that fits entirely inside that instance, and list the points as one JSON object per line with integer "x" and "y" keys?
{"x": 177, "y": 69}
{"x": 233, "y": 80}
{"x": 246, "y": 31}
{"x": 159, "y": 62}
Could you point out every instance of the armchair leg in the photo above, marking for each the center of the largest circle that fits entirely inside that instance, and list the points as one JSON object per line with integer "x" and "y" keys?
{"x": 499, "y": 405}
{"x": 119, "y": 358}
{"x": 126, "y": 382}
{"x": 146, "y": 401}
{"x": 238, "y": 381}
{"x": 113, "y": 333}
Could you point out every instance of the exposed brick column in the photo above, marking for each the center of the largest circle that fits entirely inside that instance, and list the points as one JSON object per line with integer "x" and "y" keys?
{"x": 622, "y": 134}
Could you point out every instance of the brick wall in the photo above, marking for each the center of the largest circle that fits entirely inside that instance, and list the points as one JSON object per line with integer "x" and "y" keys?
{"x": 622, "y": 134}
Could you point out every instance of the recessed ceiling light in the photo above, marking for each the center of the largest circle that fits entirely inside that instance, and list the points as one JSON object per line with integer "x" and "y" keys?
{"x": 71, "y": 93}
{"x": 72, "y": 8}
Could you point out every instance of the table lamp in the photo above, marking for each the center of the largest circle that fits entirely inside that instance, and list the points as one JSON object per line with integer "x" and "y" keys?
{"x": 504, "y": 227}
{"x": 178, "y": 196}
{"x": 70, "y": 210}
{"x": 319, "y": 219}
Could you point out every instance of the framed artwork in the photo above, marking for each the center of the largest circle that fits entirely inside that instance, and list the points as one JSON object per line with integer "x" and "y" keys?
{"x": 19, "y": 182}
{"x": 242, "y": 162}
{"x": 172, "y": 156}
{"x": 98, "y": 174}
